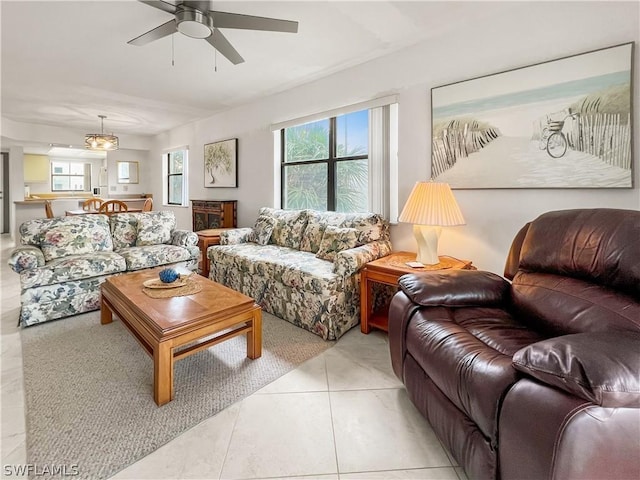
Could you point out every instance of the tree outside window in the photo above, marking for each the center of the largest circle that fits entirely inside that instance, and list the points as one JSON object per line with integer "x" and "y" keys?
{"x": 325, "y": 164}
{"x": 175, "y": 177}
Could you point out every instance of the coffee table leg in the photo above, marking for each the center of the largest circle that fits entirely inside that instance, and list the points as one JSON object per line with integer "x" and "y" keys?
{"x": 106, "y": 315}
{"x": 162, "y": 374}
{"x": 254, "y": 336}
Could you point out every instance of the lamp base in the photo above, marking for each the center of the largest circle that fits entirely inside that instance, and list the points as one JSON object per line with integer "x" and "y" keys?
{"x": 427, "y": 239}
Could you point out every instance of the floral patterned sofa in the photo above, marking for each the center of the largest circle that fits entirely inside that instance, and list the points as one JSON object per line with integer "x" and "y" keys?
{"x": 62, "y": 261}
{"x": 302, "y": 265}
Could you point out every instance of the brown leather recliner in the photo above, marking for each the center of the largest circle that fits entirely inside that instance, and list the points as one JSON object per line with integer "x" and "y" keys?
{"x": 538, "y": 378}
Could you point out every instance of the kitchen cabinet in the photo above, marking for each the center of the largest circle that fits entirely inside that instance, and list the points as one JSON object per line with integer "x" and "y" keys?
{"x": 36, "y": 169}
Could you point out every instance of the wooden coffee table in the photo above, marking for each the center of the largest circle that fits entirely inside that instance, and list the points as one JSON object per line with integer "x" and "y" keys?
{"x": 170, "y": 329}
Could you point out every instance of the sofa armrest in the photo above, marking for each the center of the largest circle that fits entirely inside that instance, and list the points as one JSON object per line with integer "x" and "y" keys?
{"x": 183, "y": 238}
{"x": 26, "y": 257}
{"x": 601, "y": 367}
{"x": 350, "y": 261}
{"x": 235, "y": 235}
{"x": 455, "y": 288}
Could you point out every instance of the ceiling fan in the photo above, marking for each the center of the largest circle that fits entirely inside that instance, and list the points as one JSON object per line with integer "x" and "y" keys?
{"x": 194, "y": 19}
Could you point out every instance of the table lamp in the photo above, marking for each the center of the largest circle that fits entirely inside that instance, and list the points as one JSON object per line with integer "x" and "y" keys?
{"x": 429, "y": 207}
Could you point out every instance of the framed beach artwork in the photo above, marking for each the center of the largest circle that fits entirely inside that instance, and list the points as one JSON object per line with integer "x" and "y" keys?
{"x": 221, "y": 164}
{"x": 565, "y": 123}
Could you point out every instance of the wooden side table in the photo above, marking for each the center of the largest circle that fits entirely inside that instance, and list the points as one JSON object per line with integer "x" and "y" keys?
{"x": 206, "y": 238}
{"x": 387, "y": 270}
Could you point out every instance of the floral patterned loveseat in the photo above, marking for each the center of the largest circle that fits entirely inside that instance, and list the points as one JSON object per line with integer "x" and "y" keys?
{"x": 63, "y": 260}
{"x": 302, "y": 265}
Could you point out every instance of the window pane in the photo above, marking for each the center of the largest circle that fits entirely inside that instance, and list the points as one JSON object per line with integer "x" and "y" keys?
{"x": 307, "y": 142}
{"x": 76, "y": 183}
{"x": 352, "y": 186}
{"x": 175, "y": 189}
{"x": 76, "y": 168}
{"x": 175, "y": 162}
{"x": 352, "y": 134}
{"x": 60, "y": 183}
{"x": 59, "y": 168}
{"x": 305, "y": 186}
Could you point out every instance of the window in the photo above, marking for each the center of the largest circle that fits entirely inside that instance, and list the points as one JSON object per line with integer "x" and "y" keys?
{"x": 344, "y": 160}
{"x": 70, "y": 176}
{"x": 325, "y": 164}
{"x": 175, "y": 168}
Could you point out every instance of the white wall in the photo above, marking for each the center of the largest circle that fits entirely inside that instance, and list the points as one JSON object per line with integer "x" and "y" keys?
{"x": 526, "y": 33}
{"x": 124, "y": 155}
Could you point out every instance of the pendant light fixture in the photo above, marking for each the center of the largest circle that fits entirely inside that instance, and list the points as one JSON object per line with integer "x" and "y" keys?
{"x": 101, "y": 141}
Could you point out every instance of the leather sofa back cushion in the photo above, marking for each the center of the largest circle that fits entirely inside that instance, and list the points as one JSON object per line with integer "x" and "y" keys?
{"x": 597, "y": 245}
{"x": 600, "y": 367}
{"x": 561, "y": 305}
{"x": 76, "y": 236}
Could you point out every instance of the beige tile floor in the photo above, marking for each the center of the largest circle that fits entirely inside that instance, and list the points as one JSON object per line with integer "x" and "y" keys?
{"x": 342, "y": 415}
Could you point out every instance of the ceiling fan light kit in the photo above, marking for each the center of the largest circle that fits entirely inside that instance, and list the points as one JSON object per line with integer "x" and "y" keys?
{"x": 101, "y": 141}
{"x": 194, "y": 19}
{"x": 193, "y": 24}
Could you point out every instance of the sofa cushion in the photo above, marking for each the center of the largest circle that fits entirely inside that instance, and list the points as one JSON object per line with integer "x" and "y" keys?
{"x": 71, "y": 268}
{"x": 335, "y": 240}
{"x": 371, "y": 226}
{"x": 75, "y": 237}
{"x": 595, "y": 245}
{"x": 467, "y": 353}
{"x": 600, "y": 367}
{"x": 155, "y": 228}
{"x": 263, "y": 229}
{"x": 562, "y": 305}
{"x": 124, "y": 230}
{"x": 291, "y": 267}
{"x": 58, "y": 300}
{"x": 289, "y": 228}
{"x": 149, "y": 256}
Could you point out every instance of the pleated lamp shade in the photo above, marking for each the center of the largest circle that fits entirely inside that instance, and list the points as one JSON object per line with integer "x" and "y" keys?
{"x": 432, "y": 203}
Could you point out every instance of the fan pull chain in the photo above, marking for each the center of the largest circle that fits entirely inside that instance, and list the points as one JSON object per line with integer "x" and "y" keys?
{"x": 172, "y": 52}
{"x": 215, "y": 60}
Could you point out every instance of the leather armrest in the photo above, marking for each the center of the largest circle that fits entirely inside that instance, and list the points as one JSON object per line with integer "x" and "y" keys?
{"x": 602, "y": 367}
{"x": 455, "y": 288}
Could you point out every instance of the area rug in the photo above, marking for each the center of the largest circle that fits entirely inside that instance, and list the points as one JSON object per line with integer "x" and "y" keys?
{"x": 89, "y": 389}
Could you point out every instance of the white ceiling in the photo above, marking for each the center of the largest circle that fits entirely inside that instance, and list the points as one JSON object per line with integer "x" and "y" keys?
{"x": 63, "y": 62}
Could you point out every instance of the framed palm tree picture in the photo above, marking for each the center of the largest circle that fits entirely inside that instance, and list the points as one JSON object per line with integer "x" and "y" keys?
{"x": 221, "y": 164}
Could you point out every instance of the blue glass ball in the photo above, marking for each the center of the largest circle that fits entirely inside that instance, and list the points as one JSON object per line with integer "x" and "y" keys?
{"x": 169, "y": 275}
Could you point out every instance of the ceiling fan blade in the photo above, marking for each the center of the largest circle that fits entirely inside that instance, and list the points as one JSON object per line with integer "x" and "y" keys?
{"x": 250, "y": 22}
{"x": 220, "y": 43}
{"x": 166, "y": 6}
{"x": 155, "y": 34}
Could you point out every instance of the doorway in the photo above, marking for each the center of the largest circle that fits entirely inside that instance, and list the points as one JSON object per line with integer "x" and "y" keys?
{"x": 4, "y": 193}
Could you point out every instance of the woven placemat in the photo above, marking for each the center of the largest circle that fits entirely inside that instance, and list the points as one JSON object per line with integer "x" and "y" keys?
{"x": 189, "y": 289}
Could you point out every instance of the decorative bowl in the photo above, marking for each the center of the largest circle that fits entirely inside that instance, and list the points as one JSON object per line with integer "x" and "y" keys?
{"x": 168, "y": 275}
